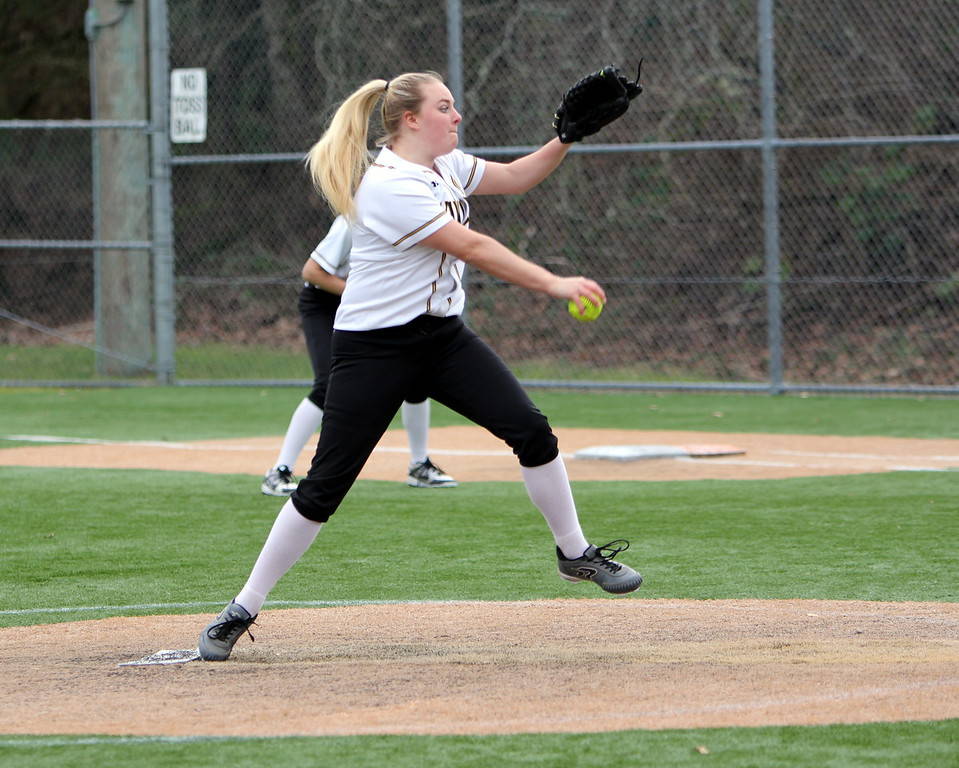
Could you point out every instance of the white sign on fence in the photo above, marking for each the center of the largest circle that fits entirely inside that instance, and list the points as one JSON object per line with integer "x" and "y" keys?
{"x": 187, "y": 105}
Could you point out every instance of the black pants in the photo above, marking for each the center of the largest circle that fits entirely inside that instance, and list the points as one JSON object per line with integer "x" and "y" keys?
{"x": 317, "y": 313}
{"x": 317, "y": 310}
{"x": 373, "y": 372}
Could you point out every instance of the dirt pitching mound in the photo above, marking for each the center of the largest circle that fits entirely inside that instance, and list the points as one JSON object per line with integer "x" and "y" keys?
{"x": 480, "y": 668}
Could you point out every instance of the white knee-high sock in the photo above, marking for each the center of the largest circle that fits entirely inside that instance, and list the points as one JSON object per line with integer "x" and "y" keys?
{"x": 291, "y": 535}
{"x": 304, "y": 423}
{"x": 416, "y": 420}
{"x": 548, "y": 488}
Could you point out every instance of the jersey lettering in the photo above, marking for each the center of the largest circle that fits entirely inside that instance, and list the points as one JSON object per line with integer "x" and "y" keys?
{"x": 459, "y": 210}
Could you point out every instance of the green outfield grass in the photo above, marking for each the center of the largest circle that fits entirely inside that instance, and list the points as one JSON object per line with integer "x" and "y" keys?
{"x": 206, "y": 361}
{"x": 929, "y": 745}
{"x": 229, "y": 361}
{"x": 103, "y": 539}
{"x": 871, "y": 537}
{"x": 196, "y": 413}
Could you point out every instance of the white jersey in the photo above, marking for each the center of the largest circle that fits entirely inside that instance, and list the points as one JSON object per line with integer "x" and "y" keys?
{"x": 393, "y": 279}
{"x": 333, "y": 251}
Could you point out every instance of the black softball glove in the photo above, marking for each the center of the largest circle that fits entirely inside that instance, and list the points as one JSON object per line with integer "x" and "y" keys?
{"x": 595, "y": 101}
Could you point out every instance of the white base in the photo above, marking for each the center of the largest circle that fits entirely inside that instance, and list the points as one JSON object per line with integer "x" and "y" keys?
{"x": 630, "y": 452}
{"x": 164, "y": 657}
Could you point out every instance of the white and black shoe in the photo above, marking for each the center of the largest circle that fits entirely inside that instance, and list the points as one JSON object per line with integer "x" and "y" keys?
{"x": 597, "y": 565}
{"x": 219, "y": 637}
{"x": 279, "y": 481}
{"x": 425, "y": 474}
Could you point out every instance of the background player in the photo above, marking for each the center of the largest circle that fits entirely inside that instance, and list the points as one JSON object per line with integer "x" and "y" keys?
{"x": 325, "y": 273}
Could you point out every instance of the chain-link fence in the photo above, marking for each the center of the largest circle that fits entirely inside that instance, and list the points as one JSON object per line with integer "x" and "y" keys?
{"x": 778, "y": 210}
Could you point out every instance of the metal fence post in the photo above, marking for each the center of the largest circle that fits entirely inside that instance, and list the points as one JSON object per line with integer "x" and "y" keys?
{"x": 454, "y": 64}
{"x": 454, "y": 55}
{"x": 162, "y": 209}
{"x": 773, "y": 270}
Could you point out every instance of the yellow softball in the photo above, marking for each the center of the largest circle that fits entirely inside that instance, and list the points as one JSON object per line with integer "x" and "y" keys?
{"x": 590, "y": 310}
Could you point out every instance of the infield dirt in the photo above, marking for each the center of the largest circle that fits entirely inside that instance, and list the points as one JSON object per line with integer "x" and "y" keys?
{"x": 472, "y": 454}
{"x": 545, "y": 666}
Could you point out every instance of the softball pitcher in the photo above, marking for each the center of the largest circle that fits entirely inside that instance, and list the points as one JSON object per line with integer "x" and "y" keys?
{"x": 398, "y": 333}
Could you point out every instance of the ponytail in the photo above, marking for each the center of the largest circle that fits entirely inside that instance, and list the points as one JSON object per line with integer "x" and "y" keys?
{"x": 339, "y": 159}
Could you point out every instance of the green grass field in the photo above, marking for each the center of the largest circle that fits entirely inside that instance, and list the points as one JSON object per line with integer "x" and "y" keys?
{"x": 231, "y": 361}
{"x": 81, "y": 544}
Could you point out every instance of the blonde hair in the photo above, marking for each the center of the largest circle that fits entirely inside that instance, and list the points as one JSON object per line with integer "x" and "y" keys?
{"x": 339, "y": 159}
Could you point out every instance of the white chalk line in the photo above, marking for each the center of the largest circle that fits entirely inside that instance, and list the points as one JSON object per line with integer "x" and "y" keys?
{"x": 97, "y": 441}
{"x": 866, "y": 456}
{"x": 813, "y": 465}
{"x": 217, "y": 447}
{"x": 221, "y": 603}
{"x": 85, "y": 741}
{"x": 298, "y": 604}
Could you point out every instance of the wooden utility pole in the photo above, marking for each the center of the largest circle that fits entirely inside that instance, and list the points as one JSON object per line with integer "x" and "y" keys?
{"x": 121, "y": 186}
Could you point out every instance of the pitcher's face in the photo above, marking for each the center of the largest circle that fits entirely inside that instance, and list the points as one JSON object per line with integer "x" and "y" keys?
{"x": 439, "y": 121}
